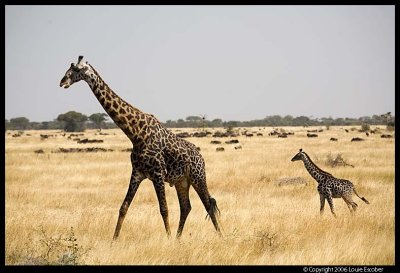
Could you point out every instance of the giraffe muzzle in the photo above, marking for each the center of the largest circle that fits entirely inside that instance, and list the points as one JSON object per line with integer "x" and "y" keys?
{"x": 65, "y": 83}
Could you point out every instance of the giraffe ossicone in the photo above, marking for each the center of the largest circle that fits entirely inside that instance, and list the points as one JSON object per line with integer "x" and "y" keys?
{"x": 157, "y": 153}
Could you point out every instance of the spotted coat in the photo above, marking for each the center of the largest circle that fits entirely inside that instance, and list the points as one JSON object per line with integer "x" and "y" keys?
{"x": 157, "y": 153}
{"x": 329, "y": 186}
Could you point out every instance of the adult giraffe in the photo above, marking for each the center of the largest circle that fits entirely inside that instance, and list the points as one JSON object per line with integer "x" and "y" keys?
{"x": 157, "y": 153}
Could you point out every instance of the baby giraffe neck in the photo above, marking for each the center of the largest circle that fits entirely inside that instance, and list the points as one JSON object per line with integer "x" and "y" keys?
{"x": 313, "y": 169}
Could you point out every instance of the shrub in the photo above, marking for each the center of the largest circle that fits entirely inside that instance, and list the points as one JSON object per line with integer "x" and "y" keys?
{"x": 50, "y": 250}
{"x": 266, "y": 240}
{"x": 337, "y": 161}
{"x": 365, "y": 127}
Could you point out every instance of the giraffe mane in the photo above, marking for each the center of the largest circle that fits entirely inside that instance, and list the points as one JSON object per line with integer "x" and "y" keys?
{"x": 98, "y": 75}
{"x": 94, "y": 70}
{"x": 318, "y": 168}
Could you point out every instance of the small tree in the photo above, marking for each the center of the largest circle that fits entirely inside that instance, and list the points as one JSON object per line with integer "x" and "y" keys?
{"x": 365, "y": 127}
{"x": 194, "y": 118}
{"x": 20, "y": 123}
{"x": 98, "y": 119}
{"x": 301, "y": 121}
{"x": 390, "y": 121}
{"x": 216, "y": 122}
{"x": 73, "y": 121}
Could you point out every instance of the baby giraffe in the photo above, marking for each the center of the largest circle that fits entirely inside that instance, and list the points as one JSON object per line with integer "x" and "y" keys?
{"x": 328, "y": 186}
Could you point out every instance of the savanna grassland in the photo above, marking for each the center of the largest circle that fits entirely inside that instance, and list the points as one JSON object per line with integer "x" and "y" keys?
{"x": 63, "y": 207}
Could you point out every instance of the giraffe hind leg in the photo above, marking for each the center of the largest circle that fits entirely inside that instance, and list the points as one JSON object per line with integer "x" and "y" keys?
{"x": 209, "y": 203}
{"x": 182, "y": 189}
{"x": 354, "y": 205}
{"x": 213, "y": 208}
{"x": 350, "y": 203}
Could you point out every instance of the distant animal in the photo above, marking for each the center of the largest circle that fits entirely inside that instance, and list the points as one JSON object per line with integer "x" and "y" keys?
{"x": 312, "y": 135}
{"x": 220, "y": 149}
{"x": 357, "y": 139}
{"x": 199, "y": 134}
{"x": 183, "y": 135}
{"x": 238, "y": 147}
{"x": 274, "y": 132}
{"x": 333, "y": 139}
{"x": 43, "y": 136}
{"x": 157, "y": 153}
{"x": 329, "y": 186}
{"x": 367, "y": 133}
{"x": 86, "y": 140}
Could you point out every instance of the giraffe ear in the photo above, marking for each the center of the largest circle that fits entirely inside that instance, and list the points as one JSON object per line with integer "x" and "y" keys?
{"x": 74, "y": 67}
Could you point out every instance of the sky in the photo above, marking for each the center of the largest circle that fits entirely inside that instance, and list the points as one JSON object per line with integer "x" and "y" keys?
{"x": 229, "y": 62}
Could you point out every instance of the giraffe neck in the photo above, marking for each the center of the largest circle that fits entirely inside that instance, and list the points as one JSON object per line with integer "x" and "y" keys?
{"x": 313, "y": 169}
{"x": 131, "y": 120}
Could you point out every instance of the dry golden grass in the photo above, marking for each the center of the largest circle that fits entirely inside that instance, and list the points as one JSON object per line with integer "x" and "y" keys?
{"x": 263, "y": 223}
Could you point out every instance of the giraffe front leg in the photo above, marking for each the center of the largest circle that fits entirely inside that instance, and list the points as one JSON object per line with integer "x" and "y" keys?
{"x": 322, "y": 201}
{"x": 162, "y": 201}
{"x": 136, "y": 179}
{"x": 330, "y": 202}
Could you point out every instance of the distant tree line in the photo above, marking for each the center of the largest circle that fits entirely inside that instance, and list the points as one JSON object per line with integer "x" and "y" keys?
{"x": 70, "y": 122}
{"x": 74, "y": 121}
{"x": 277, "y": 120}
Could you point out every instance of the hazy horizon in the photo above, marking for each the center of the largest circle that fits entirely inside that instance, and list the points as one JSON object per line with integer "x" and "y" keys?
{"x": 229, "y": 62}
{"x": 108, "y": 119}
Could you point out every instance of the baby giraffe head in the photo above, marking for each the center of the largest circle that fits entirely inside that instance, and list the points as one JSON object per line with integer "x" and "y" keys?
{"x": 298, "y": 156}
{"x": 75, "y": 73}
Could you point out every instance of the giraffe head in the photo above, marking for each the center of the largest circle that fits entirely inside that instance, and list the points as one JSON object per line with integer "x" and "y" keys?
{"x": 298, "y": 156}
{"x": 75, "y": 73}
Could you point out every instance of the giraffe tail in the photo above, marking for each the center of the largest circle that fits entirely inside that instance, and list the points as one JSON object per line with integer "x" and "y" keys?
{"x": 362, "y": 198}
{"x": 213, "y": 208}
